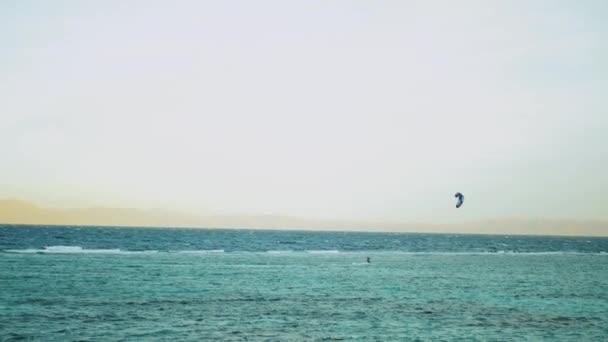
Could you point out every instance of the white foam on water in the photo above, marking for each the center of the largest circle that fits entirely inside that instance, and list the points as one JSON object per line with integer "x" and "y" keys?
{"x": 80, "y": 250}
{"x": 202, "y": 251}
{"x": 75, "y": 250}
{"x": 23, "y": 251}
{"x": 138, "y": 252}
{"x": 496, "y": 253}
{"x": 544, "y": 253}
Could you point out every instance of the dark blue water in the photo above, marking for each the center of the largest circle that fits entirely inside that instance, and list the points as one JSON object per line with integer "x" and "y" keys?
{"x": 98, "y": 284}
{"x": 230, "y": 241}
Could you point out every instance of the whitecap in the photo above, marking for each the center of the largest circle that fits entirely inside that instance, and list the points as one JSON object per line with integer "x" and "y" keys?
{"x": 75, "y": 250}
{"x": 202, "y": 251}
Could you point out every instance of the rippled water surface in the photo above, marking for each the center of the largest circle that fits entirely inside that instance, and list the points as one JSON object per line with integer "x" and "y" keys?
{"x": 96, "y": 284}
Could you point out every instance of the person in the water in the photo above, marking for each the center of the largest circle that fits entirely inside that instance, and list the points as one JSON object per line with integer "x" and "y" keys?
{"x": 369, "y": 260}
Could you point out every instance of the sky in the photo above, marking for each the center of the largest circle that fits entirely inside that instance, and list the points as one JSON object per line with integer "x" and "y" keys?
{"x": 358, "y": 110}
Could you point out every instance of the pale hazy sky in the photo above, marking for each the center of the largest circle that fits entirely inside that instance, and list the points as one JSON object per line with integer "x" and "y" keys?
{"x": 376, "y": 110}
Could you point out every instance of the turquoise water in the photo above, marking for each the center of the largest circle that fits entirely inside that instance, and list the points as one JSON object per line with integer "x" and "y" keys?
{"x": 108, "y": 284}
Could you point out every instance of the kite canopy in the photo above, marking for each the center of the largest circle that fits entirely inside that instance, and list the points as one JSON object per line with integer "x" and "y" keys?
{"x": 459, "y": 199}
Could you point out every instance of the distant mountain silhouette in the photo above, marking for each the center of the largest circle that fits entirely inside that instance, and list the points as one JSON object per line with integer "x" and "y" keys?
{"x": 14, "y": 211}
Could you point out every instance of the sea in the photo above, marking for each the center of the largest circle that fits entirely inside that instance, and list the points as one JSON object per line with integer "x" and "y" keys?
{"x": 140, "y": 284}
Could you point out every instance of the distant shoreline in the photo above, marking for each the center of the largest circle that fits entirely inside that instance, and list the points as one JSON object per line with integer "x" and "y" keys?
{"x": 15, "y": 211}
{"x": 304, "y": 230}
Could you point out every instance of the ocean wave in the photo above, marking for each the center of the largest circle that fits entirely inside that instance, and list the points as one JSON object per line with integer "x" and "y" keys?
{"x": 75, "y": 250}
{"x": 486, "y": 253}
{"x": 80, "y": 250}
{"x": 429, "y": 253}
{"x": 210, "y": 251}
{"x": 438, "y": 253}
